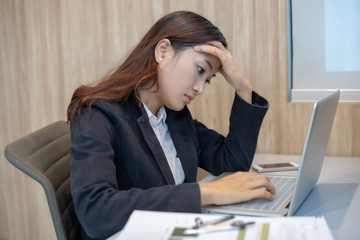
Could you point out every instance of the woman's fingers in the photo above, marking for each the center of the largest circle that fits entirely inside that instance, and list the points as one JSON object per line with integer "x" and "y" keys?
{"x": 262, "y": 193}
{"x": 262, "y": 181}
{"x": 212, "y": 50}
{"x": 220, "y": 52}
{"x": 239, "y": 187}
{"x": 229, "y": 69}
{"x": 219, "y": 45}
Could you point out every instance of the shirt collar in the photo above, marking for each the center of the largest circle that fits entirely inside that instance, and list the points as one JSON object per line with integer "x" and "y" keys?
{"x": 160, "y": 115}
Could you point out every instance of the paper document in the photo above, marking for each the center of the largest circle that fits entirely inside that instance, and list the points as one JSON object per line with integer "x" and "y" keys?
{"x": 172, "y": 226}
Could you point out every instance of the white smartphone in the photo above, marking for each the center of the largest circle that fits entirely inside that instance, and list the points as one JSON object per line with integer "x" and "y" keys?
{"x": 275, "y": 167}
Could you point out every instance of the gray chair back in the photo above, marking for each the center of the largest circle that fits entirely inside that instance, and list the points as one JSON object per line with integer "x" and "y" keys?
{"x": 44, "y": 155}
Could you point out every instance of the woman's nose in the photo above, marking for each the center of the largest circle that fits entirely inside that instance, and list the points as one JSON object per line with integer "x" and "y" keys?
{"x": 199, "y": 87}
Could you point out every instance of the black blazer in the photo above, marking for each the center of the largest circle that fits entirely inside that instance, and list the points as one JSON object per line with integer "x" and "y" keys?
{"x": 117, "y": 163}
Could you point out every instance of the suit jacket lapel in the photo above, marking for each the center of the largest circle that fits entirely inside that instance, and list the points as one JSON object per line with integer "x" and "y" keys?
{"x": 155, "y": 147}
{"x": 180, "y": 135}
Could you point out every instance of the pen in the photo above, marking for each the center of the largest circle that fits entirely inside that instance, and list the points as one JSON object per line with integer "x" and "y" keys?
{"x": 241, "y": 224}
{"x": 214, "y": 225}
{"x": 220, "y": 220}
{"x": 200, "y": 226}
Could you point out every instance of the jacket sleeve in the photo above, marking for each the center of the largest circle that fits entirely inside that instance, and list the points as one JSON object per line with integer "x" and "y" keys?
{"x": 234, "y": 152}
{"x": 101, "y": 207}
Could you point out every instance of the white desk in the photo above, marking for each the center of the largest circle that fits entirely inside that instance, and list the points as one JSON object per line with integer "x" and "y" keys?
{"x": 336, "y": 195}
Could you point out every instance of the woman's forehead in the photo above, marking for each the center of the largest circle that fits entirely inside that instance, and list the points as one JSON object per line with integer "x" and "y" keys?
{"x": 210, "y": 60}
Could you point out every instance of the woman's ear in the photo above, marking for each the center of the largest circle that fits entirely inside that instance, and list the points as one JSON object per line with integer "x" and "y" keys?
{"x": 162, "y": 48}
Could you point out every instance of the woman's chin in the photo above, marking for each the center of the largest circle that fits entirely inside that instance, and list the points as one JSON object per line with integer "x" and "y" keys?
{"x": 177, "y": 108}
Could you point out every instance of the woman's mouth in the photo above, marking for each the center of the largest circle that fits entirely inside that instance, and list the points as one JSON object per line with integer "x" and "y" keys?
{"x": 188, "y": 98}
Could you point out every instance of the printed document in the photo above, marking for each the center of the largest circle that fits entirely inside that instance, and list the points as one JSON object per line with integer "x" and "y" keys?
{"x": 173, "y": 226}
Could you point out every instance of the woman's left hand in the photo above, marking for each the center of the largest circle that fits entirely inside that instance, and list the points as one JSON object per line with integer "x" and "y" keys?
{"x": 229, "y": 69}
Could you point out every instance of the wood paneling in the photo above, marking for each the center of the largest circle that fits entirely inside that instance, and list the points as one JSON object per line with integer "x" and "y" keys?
{"x": 48, "y": 48}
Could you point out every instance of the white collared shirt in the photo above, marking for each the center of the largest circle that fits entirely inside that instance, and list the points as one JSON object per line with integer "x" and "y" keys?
{"x": 162, "y": 133}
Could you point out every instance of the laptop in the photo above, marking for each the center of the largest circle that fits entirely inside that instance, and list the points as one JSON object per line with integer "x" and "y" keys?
{"x": 291, "y": 191}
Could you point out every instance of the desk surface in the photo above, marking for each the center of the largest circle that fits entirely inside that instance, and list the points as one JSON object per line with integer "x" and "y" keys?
{"x": 335, "y": 196}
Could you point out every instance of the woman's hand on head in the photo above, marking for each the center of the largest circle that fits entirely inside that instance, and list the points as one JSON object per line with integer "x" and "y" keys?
{"x": 229, "y": 69}
{"x": 235, "y": 188}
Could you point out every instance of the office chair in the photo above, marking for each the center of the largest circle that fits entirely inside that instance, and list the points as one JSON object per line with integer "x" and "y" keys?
{"x": 44, "y": 155}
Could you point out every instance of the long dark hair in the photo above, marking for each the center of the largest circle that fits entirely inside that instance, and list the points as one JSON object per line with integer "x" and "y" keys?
{"x": 183, "y": 29}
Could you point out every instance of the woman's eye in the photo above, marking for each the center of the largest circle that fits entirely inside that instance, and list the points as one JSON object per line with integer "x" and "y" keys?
{"x": 201, "y": 70}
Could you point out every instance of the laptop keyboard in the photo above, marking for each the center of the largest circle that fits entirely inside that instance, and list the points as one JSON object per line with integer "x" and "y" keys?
{"x": 284, "y": 187}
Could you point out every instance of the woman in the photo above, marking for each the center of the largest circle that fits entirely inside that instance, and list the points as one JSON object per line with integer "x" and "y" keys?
{"x": 135, "y": 144}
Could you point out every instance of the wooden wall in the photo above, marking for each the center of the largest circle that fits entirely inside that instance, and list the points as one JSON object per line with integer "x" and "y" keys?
{"x": 49, "y": 47}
